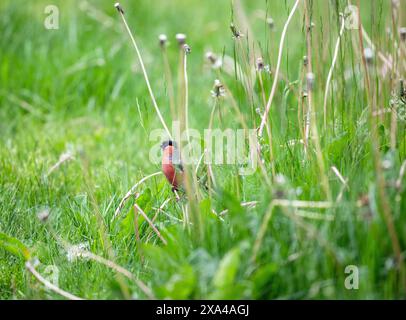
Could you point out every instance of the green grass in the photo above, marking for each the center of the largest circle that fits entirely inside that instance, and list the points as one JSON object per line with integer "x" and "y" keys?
{"x": 77, "y": 88}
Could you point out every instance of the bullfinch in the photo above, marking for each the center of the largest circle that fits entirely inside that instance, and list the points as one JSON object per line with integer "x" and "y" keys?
{"x": 172, "y": 166}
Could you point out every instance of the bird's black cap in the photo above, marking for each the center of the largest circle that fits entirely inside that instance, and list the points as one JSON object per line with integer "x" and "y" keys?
{"x": 167, "y": 144}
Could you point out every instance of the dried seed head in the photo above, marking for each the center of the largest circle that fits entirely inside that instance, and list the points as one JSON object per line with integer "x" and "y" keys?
{"x": 403, "y": 33}
{"x": 402, "y": 91}
{"x": 310, "y": 77}
{"x": 119, "y": 8}
{"x": 211, "y": 57}
{"x": 280, "y": 179}
{"x": 43, "y": 215}
{"x": 187, "y": 48}
{"x": 309, "y": 28}
{"x": 387, "y": 164}
{"x": 369, "y": 55}
{"x": 214, "y": 60}
{"x": 260, "y": 64}
{"x": 218, "y": 89}
{"x": 270, "y": 23}
{"x": 181, "y": 38}
{"x": 305, "y": 61}
{"x": 304, "y": 94}
{"x": 236, "y": 33}
{"x": 76, "y": 251}
{"x": 163, "y": 40}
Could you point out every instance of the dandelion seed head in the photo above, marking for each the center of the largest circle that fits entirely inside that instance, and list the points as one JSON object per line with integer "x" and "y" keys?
{"x": 163, "y": 39}
{"x": 280, "y": 179}
{"x": 260, "y": 64}
{"x": 118, "y": 7}
{"x": 403, "y": 33}
{"x": 305, "y": 61}
{"x": 218, "y": 89}
{"x": 180, "y": 38}
{"x": 369, "y": 55}
{"x": 215, "y": 62}
{"x": 387, "y": 164}
{"x": 43, "y": 214}
{"x": 270, "y": 23}
{"x": 210, "y": 56}
{"x": 304, "y": 94}
{"x": 236, "y": 33}
{"x": 310, "y": 78}
{"x": 76, "y": 251}
{"x": 187, "y": 48}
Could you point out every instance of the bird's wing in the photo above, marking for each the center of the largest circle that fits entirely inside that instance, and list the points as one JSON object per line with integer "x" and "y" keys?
{"x": 177, "y": 162}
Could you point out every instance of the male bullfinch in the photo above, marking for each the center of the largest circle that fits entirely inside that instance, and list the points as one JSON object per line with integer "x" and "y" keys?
{"x": 171, "y": 164}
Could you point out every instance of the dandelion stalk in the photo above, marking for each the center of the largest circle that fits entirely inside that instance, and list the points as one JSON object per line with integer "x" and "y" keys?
{"x": 330, "y": 73}
{"x": 121, "y": 12}
{"x": 31, "y": 268}
{"x": 311, "y": 121}
{"x": 186, "y": 89}
{"x": 138, "y": 208}
{"x": 131, "y": 192}
{"x": 278, "y": 65}
{"x": 137, "y": 234}
{"x": 260, "y": 69}
{"x": 79, "y": 252}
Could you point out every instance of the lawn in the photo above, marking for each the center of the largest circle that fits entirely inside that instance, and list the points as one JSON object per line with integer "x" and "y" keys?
{"x": 322, "y": 215}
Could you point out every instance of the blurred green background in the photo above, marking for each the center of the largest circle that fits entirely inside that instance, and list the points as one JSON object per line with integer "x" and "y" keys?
{"x": 80, "y": 88}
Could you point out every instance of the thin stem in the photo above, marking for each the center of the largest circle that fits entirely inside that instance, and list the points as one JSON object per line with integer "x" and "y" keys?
{"x": 48, "y": 284}
{"x": 121, "y": 12}
{"x": 131, "y": 192}
{"x": 311, "y": 121}
{"x": 150, "y": 223}
{"x": 186, "y": 83}
{"x": 330, "y": 73}
{"x": 278, "y": 65}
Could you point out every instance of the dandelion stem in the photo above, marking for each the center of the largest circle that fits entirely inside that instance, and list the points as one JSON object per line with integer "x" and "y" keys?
{"x": 30, "y": 267}
{"x": 150, "y": 223}
{"x": 278, "y": 65}
{"x": 186, "y": 83}
{"x": 121, "y": 12}
{"x": 131, "y": 192}
{"x": 330, "y": 73}
{"x": 311, "y": 120}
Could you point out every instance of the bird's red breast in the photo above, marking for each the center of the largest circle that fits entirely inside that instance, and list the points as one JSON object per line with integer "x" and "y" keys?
{"x": 172, "y": 174}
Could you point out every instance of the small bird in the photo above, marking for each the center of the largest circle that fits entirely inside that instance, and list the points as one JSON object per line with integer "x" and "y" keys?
{"x": 171, "y": 164}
